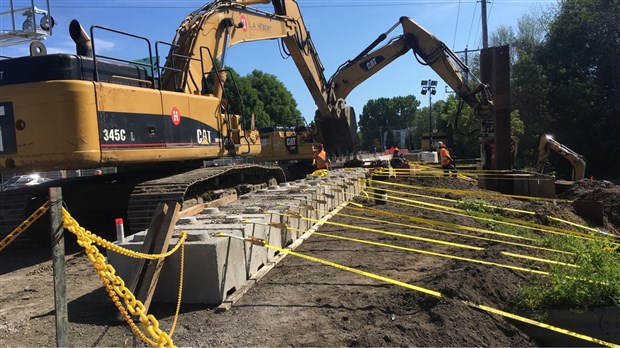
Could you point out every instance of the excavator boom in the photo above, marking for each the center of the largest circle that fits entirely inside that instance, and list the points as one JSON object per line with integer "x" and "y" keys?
{"x": 429, "y": 50}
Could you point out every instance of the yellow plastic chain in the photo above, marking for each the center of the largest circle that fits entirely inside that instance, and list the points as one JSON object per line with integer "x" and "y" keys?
{"x": 116, "y": 286}
{"x": 124, "y": 251}
{"x": 24, "y": 226}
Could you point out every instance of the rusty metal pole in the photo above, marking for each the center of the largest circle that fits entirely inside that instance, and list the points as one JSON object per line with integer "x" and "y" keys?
{"x": 58, "y": 265}
{"x": 495, "y": 71}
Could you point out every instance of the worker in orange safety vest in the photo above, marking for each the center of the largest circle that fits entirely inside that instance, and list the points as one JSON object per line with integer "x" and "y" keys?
{"x": 446, "y": 161}
{"x": 320, "y": 158}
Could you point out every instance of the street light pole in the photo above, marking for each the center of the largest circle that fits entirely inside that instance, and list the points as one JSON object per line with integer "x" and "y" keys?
{"x": 429, "y": 86}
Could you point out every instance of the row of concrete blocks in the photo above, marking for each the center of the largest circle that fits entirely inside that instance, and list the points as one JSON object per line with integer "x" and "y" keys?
{"x": 216, "y": 266}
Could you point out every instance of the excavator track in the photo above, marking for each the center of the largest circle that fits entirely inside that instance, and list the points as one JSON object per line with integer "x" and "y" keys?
{"x": 194, "y": 187}
{"x": 97, "y": 201}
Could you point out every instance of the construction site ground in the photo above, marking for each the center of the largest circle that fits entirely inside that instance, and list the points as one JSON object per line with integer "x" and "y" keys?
{"x": 305, "y": 303}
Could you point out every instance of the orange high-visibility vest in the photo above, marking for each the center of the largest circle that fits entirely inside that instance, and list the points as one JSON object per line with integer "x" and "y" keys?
{"x": 321, "y": 159}
{"x": 444, "y": 156}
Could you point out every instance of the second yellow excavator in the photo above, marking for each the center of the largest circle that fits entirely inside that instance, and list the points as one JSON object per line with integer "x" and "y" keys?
{"x": 547, "y": 144}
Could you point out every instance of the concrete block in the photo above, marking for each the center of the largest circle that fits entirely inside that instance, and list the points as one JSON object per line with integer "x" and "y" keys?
{"x": 254, "y": 257}
{"x": 213, "y": 268}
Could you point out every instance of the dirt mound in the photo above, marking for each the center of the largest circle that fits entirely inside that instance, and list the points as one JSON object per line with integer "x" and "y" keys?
{"x": 602, "y": 191}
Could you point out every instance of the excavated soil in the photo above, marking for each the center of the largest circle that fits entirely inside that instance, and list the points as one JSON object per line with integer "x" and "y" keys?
{"x": 304, "y": 303}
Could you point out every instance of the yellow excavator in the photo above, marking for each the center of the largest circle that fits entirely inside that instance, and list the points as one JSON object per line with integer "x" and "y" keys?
{"x": 291, "y": 148}
{"x": 156, "y": 124}
{"x": 428, "y": 50}
{"x": 547, "y": 144}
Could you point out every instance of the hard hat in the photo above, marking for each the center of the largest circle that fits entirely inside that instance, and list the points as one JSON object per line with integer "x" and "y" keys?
{"x": 440, "y": 144}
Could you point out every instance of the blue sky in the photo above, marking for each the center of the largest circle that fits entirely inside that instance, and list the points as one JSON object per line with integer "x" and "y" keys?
{"x": 340, "y": 29}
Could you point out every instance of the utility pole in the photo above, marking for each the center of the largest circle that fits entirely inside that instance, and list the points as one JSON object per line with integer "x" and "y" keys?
{"x": 466, "y": 75}
{"x": 485, "y": 39}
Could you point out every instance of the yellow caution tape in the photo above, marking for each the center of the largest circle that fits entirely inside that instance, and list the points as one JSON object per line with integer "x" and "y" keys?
{"x": 456, "y": 226}
{"x": 355, "y": 270}
{"x": 539, "y": 259}
{"x": 360, "y": 207}
{"x": 541, "y": 324}
{"x": 472, "y": 193}
{"x": 493, "y": 206}
{"x": 440, "y": 295}
{"x": 432, "y": 253}
{"x": 439, "y": 231}
{"x": 408, "y": 236}
{"x": 443, "y": 224}
{"x": 483, "y": 217}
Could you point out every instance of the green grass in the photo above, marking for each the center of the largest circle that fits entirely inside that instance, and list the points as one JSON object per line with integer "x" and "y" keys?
{"x": 476, "y": 206}
{"x": 594, "y": 283}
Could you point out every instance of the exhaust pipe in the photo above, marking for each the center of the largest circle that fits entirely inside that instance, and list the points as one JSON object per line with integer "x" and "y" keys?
{"x": 83, "y": 45}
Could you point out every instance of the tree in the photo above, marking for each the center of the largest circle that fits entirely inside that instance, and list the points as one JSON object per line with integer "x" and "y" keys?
{"x": 531, "y": 31}
{"x": 504, "y": 35}
{"x": 260, "y": 94}
{"x": 276, "y": 101}
{"x": 386, "y": 114}
{"x": 566, "y": 81}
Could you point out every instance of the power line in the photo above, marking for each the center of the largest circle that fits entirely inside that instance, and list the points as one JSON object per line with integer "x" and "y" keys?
{"x": 456, "y": 26}
{"x": 478, "y": 28}
{"x": 472, "y": 23}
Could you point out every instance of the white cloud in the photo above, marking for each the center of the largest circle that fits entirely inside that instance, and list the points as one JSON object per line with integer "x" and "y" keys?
{"x": 65, "y": 45}
{"x": 104, "y": 46}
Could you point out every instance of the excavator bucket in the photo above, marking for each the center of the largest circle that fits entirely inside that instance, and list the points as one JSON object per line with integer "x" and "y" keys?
{"x": 339, "y": 135}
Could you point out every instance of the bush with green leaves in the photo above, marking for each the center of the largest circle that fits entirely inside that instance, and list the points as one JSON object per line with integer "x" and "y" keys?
{"x": 594, "y": 282}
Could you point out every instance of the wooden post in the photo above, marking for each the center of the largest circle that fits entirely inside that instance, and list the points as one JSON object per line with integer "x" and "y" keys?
{"x": 146, "y": 288}
{"x": 58, "y": 265}
{"x": 145, "y": 275}
{"x": 147, "y": 248}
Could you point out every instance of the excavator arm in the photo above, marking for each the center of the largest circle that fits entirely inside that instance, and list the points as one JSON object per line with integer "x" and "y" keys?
{"x": 547, "y": 143}
{"x": 206, "y": 34}
{"x": 428, "y": 50}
